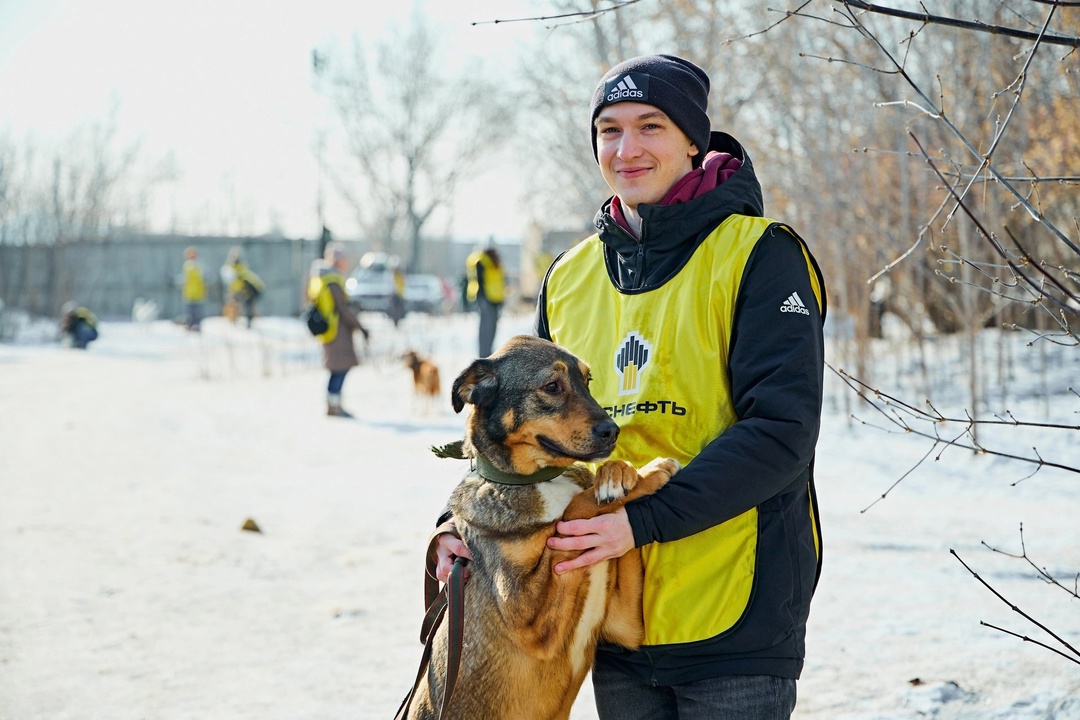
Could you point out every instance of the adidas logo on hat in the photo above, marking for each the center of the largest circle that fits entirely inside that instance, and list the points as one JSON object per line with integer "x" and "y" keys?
{"x": 794, "y": 304}
{"x": 626, "y": 88}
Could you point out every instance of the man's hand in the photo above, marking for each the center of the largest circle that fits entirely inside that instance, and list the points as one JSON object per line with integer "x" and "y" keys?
{"x": 602, "y": 537}
{"x": 447, "y": 549}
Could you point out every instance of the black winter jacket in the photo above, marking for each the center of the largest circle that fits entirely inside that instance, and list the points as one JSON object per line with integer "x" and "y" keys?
{"x": 776, "y": 385}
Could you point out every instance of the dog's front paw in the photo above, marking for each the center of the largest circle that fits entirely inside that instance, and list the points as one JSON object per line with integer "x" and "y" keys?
{"x": 614, "y": 479}
{"x": 661, "y": 469}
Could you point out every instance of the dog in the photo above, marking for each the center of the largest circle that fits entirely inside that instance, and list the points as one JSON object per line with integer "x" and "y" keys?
{"x": 530, "y": 635}
{"x": 426, "y": 387}
{"x": 231, "y": 310}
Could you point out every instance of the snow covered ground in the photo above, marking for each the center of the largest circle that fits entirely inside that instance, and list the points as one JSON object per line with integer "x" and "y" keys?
{"x": 129, "y": 591}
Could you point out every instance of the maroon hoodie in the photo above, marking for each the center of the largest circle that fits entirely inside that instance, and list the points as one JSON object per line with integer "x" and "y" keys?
{"x": 717, "y": 168}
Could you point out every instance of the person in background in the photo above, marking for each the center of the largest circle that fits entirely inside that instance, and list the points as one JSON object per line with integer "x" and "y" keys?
{"x": 244, "y": 285}
{"x": 326, "y": 289}
{"x": 193, "y": 291}
{"x": 397, "y": 291}
{"x": 487, "y": 289}
{"x": 78, "y": 326}
{"x": 703, "y": 331}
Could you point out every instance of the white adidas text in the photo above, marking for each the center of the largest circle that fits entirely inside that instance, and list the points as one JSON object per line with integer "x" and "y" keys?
{"x": 794, "y": 304}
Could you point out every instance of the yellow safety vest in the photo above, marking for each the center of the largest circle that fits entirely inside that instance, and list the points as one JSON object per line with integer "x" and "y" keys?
{"x": 320, "y": 294}
{"x": 699, "y": 586}
{"x": 494, "y": 280}
{"x": 194, "y": 287}
{"x": 245, "y": 274}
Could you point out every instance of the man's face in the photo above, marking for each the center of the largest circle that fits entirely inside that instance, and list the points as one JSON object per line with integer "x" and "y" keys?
{"x": 642, "y": 153}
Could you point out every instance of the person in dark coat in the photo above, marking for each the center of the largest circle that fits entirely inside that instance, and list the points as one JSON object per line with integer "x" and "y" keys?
{"x": 78, "y": 326}
{"x": 702, "y": 322}
{"x": 326, "y": 289}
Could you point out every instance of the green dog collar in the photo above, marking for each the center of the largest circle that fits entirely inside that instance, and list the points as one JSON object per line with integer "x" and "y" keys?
{"x": 493, "y": 474}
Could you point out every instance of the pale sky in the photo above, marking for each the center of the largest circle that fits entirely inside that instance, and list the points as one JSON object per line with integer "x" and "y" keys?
{"x": 226, "y": 87}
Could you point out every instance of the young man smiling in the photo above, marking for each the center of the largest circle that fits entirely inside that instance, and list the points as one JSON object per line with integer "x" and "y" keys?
{"x": 701, "y": 321}
{"x": 642, "y": 154}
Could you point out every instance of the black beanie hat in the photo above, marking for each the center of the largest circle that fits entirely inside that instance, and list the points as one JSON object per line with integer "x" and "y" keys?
{"x": 677, "y": 86}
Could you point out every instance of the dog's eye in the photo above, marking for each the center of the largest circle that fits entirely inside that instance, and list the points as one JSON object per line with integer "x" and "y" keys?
{"x": 552, "y": 387}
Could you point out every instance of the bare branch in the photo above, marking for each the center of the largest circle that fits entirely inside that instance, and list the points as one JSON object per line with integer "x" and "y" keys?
{"x": 900, "y": 479}
{"x": 959, "y": 135}
{"x": 1042, "y": 572}
{"x": 788, "y": 14}
{"x": 1068, "y": 41}
{"x": 984, "y": 233}
{"x": 584, "y": 14}
{"x": 1075, "y": 653}
{"x": 899, "y": 412}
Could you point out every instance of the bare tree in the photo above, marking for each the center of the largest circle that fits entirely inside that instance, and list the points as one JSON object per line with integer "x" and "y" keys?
{"x": 991, "y": 141}
{"x": 88, "y": 186}
{"x": 411, "y": 130}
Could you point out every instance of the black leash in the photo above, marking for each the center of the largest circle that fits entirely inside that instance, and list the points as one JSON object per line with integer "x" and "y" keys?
{"x": 449, "y": 603}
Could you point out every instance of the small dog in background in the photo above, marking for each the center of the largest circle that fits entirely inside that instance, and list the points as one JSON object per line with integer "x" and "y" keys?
{"x": 426, "y": 387}
{"x": 231, "y": 310}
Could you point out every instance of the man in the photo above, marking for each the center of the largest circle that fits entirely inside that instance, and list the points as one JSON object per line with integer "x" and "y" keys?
{"x": 193, "y": 290}
{"x": 487, "y": 289}
{"x": 702, "y": 323}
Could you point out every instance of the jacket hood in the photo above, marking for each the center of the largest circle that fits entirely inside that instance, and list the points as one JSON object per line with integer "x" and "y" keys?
{"x": 670, "y": 233}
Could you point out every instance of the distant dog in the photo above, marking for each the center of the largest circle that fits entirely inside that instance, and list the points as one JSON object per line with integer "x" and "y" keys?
{"x": 426, "y": 387}
{"x": 530, "y": 635}
{"x": 231, "y": 310}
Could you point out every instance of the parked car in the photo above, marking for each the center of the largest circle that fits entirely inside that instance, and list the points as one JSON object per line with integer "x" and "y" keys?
{"x": 370, "y": 289}
{"x": 427, "y": 294}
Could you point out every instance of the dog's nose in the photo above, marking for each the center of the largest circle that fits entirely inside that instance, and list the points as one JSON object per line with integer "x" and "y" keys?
{"x": 606, "y": 431}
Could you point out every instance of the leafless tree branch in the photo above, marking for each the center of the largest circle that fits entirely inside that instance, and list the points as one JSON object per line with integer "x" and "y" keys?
{"x": 1042, "y": 572}
{"x": 582, "y": 15}
{"x": 1073, "y": 654}
{"x": 970, "y": 24}
{"x": 903, "y": 415}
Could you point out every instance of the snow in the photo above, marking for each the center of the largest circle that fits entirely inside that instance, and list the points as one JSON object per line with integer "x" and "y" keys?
{"x": 129, "y": 590}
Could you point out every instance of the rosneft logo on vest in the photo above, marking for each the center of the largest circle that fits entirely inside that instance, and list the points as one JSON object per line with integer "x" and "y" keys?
{"x": 631, "y": 357}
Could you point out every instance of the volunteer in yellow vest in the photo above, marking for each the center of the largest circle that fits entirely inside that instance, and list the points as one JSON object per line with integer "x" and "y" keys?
{"x": 245, "y": 286}
{"x": 397, "y": 294}
{"x": 701, "y": 321}
{"x": 326, "y": 289}
{"x": 487, "y": 288}
{"x": 193, "y": 290}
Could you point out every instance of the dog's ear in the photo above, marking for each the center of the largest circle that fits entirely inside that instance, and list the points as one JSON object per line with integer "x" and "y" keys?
{"x": 477, "y": 385}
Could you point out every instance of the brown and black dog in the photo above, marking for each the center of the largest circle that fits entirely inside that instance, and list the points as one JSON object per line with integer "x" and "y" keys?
{"x": 530, "y": 635}
{"x": 426, "y": 387}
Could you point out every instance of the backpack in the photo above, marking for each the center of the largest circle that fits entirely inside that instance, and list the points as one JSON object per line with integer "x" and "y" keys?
{"x": 314, "y": 320}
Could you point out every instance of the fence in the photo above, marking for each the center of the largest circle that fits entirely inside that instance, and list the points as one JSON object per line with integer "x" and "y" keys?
{"x": 108, "y": 275}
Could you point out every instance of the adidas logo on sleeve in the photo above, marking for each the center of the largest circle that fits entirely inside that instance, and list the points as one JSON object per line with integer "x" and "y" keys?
{"x": 794, "y": 304}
